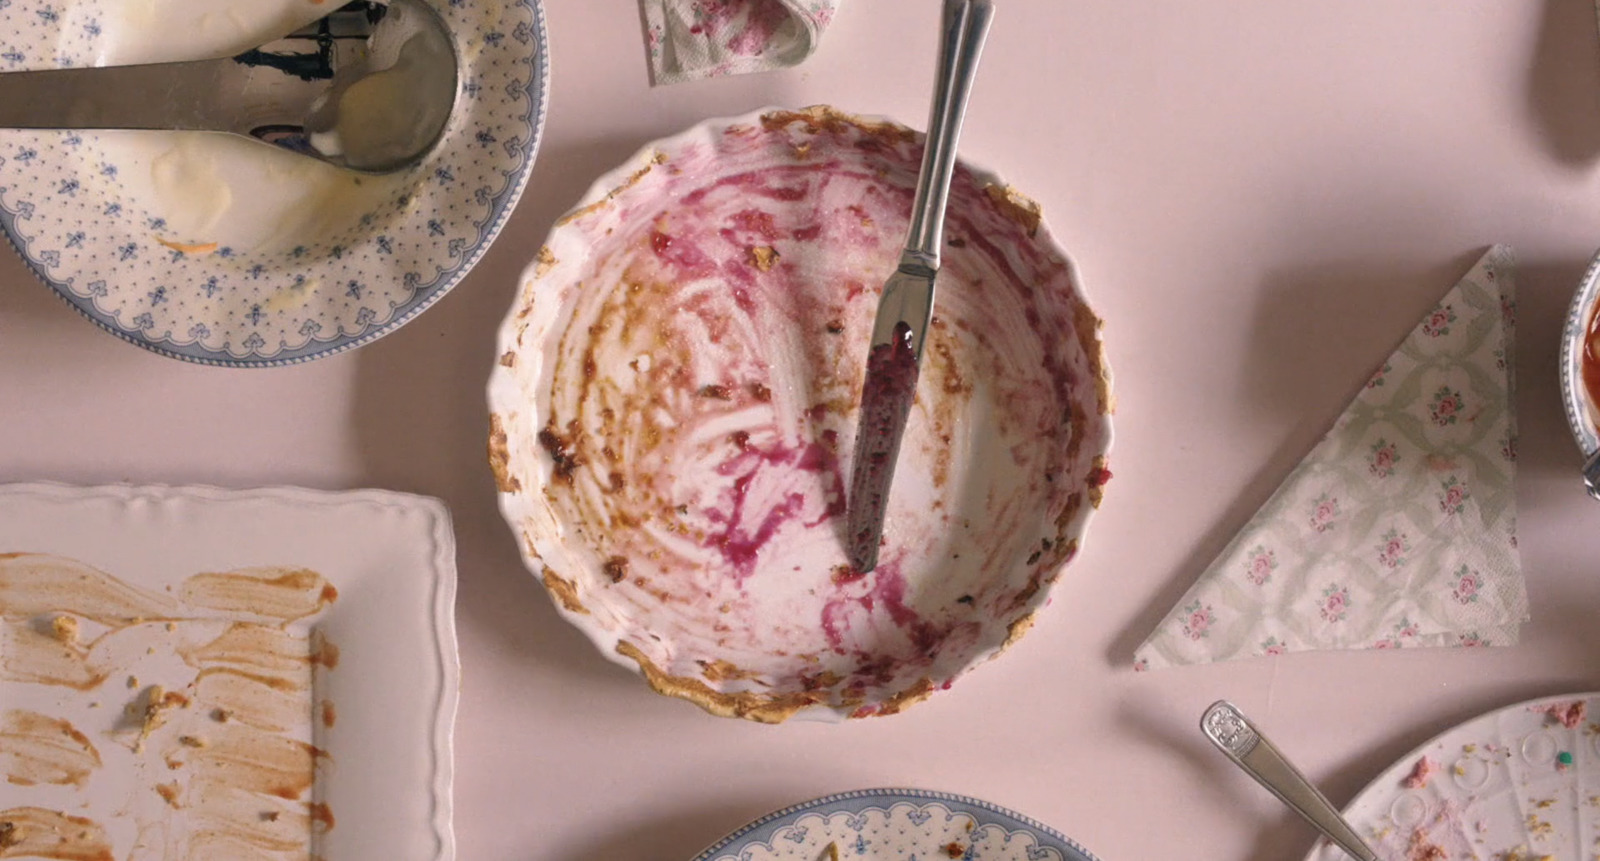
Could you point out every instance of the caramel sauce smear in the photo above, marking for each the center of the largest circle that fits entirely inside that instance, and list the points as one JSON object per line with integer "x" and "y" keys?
{"x": 225, "y": 745}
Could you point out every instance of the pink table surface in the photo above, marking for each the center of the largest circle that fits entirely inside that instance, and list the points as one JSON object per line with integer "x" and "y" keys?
{"x": 1263, "y": 197}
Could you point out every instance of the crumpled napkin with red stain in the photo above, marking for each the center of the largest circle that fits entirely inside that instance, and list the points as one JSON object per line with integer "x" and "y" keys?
{"x": 1399, "y": 528}
{"x": 693, "y": 39}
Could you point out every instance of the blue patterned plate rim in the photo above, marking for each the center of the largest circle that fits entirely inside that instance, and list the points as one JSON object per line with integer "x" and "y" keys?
{"x": 423, "y": 297}
{"x": 984, "y": 813}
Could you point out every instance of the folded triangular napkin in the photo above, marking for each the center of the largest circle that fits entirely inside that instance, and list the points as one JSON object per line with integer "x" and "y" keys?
{"x": 692, "y": 39}
{"x": 1399, "y": 528}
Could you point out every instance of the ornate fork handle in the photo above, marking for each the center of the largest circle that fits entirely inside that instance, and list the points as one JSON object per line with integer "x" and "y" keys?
{"x": 1239, "y": 739}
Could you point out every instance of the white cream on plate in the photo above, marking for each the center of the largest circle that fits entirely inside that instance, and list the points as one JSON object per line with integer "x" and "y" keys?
{"x": 398, "y": 110}
{"x": 217, "y": 191}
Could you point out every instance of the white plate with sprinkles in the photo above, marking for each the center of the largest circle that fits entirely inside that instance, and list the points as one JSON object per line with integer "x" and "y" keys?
{"x": 1518, "y": 784}
{"x": 225, "y": 251}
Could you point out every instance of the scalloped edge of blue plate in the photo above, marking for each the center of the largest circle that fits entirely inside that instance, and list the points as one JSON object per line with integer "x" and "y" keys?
{"x": 855, "y": 801}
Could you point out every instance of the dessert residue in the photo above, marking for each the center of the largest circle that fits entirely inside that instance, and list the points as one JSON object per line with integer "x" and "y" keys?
{"x": 39, "y": 749}
{"x": 1590, "y": 366}
{"x": 1422, "y": 848}
{"x": 886, "y": 398}
{"x": 215, "y": 744}
{"x": 379, "y": 121}
{"x": 199, "y": 193}
{"x": 35, "y": 832}
{"x": 1569, "y": 714}
{"x": 704, "y": 387}
{"x": 1420, "y": 774}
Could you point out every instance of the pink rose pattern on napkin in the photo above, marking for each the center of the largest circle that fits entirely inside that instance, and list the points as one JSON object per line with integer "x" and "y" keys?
{"x": 1399, "y": 529}
{"x": 693, "y": 39}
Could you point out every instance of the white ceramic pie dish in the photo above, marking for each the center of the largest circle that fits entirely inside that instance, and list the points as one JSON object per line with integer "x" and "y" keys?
{"x": 673, "y": 414}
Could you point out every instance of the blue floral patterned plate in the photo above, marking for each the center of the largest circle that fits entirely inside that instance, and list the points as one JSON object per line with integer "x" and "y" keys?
{"x": 225, "y": 251}
{"x": 895, "y": 825}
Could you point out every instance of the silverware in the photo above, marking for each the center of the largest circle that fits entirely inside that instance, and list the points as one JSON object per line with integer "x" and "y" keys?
{"x": 370, "y": 87}
{"x": 906, "y": 306}
{"x": 1237, "y": 737}
{"x": 1591, "y": 475}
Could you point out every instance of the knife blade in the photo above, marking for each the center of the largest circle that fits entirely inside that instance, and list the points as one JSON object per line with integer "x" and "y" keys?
{"x": 905, "y": 308}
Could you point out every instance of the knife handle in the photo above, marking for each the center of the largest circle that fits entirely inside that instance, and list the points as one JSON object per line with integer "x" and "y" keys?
{"x": 966, "y": 25}
{"x": 1238, "y": 738}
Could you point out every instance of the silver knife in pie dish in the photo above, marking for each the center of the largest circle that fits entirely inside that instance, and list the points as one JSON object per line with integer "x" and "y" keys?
{"x": 906, "y": 307}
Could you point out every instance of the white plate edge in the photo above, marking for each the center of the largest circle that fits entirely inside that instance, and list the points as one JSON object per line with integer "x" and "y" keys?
{"x": 1411, "y": 756}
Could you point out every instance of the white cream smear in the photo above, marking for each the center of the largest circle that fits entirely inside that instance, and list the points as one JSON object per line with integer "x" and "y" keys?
{"x": 389, "y": 115}
{"x": 143, "y": 29}
{"x": 292, "y": 297}
{"x": 194, "y": 183}
{"x": 187, "y": 175}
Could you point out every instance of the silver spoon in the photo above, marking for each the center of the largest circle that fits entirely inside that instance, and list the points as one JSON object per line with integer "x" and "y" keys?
{"x": 369, "y": 87}
{"x": 1239, "y": 739}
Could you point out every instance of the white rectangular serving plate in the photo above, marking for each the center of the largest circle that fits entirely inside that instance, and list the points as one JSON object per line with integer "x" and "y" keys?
{"x": 387, "y": 773}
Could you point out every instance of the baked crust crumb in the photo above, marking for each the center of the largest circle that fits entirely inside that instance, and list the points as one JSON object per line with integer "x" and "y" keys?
{"x": 65, "y": 629}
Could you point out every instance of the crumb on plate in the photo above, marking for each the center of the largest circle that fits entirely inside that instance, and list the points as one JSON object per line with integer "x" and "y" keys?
{"x": 1569, "y": 715}
{"x": 65, "y": 629}
{"x": 763, "y": 257}
{"x": 158, "y": 702}
{"x": 1420, "y": 774}
{"x": 1423, "y": 849}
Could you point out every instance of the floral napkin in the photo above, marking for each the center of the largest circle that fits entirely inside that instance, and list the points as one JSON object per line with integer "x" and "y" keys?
{"x": 1399, "y": 528}
{"x": 693, "y": 39}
